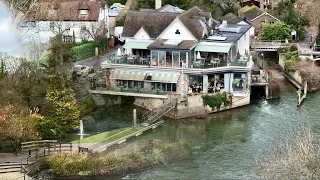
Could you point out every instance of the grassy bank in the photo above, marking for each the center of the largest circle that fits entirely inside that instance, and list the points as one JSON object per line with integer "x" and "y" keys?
{"x": 118, "y": 163}
{"x": 109, "y": 135}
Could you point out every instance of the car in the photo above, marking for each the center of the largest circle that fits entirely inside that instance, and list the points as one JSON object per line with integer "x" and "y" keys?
{"x": 81, "y": 70}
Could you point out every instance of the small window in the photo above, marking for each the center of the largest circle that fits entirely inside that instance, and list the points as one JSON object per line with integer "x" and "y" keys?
{"x": 32, "y": 24}
{"x": 83, "y": 11}
{"x": 51, "y": 25}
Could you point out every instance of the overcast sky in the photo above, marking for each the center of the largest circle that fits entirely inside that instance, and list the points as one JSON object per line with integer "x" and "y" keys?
{"x": 8, "y": 39}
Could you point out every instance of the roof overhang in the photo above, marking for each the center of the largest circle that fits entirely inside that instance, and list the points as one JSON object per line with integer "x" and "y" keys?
{"x": 214, "y": 47}
{"x": 137, "y": 44}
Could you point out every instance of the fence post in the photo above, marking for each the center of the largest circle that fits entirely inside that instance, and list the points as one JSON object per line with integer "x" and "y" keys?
{"x": 60, "y": 149}
{"x": 49, "y": 148}
{"x": 44, "y": 151}
{"x": 71, "y": 148}
{"x": 21, "y": 167}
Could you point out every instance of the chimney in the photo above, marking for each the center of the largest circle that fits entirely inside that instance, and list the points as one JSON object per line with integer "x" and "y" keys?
{"x": 262, "y": 4}
{"x": 158, "y": 4}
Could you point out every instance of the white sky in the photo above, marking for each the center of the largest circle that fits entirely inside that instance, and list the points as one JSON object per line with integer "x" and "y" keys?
{"x": 9, "y": 41}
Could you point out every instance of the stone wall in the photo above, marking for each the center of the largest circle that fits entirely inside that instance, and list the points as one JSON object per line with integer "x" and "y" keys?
{"x": 182, "y": 84}
{"x": 148, "y": 103}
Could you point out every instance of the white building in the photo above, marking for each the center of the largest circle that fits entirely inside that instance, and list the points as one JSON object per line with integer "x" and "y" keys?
{"x": 81, "y": 19}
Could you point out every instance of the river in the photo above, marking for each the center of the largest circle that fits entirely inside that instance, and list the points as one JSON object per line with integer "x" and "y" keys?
{"x": 232, "y": 142}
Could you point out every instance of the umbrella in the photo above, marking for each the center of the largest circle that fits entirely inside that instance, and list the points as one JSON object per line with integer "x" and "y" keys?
{"x": 198, "y": 55}
{"x": 119, "y": 52}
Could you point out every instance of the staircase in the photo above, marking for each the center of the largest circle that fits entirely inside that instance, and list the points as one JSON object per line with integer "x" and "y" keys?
{"x": 155, "y": 114}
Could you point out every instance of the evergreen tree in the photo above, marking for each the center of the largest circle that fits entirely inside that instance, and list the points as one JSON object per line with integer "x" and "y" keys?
{"x": 61, "y": 112}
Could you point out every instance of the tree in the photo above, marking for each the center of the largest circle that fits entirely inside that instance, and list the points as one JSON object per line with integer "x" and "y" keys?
{"x": 277, "y": 31}
{"x": 62, "y": 114}
{"x": 286, "y": 13}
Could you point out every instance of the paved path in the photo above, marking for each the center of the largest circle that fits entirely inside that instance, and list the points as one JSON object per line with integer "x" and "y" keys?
{"x": 14, "y": 176}
{"x": 304, "y": 45}
{"x": 95, "y": 62}
{"x": 10, "y": 157}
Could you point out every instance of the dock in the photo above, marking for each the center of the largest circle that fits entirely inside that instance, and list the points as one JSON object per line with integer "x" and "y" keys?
{"x": 121, "y": 137}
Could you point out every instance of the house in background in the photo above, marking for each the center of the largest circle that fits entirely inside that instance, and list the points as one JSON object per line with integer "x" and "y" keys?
{"x": 167, "y": 55}
{"x": 79, "y": 19}
{"x": 257, "y": 17}
{"x": 262, "y": 4}
{"x": 234, "y": 19}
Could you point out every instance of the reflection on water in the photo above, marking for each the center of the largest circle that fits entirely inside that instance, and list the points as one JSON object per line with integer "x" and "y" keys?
{"x": 230, "y": 143}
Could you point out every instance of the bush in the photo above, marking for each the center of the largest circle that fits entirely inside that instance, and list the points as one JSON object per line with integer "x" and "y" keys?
{"x": 293, "y": 48}
{"x": 86, "y": 49}
{"x": 216, "y": 100}
{"x": 119, "y": 162}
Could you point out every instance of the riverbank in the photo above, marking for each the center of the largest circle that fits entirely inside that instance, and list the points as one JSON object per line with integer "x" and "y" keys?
{"x": 119, "y": 162}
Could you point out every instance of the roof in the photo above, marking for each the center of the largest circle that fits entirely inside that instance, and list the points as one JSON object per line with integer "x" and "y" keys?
{"x": 152, "y": 22}
{"x": 267, "y": 14}
{"x": 192, "y": 20}
{"x": 66, "y": 10}
{"x": 183, "y": 45}
{"x": 232, "y": 37}
{"x": 170, "y": 9}
{"x": 250, "y": 12}
{"x": 231, "y": 18}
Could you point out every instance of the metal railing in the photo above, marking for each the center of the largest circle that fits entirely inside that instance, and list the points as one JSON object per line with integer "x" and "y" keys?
{"x": 155, "y": 114}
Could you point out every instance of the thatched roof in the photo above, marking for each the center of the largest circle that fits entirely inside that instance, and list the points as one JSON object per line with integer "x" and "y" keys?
{"x": 183, "y": 45}
{"x": 250, "y": 12}
{"x": 231, "y": 18}
{"x": 194, "y": 19}
{"x": 66, "y": 11}
{"x": 152, "y": 22}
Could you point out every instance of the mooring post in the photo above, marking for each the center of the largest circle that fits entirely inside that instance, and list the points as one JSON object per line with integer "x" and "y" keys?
{"x": 134, "y": 118}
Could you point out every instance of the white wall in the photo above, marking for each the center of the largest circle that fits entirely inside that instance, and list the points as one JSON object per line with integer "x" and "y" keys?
{"x": 244, "y": 43}
{"x": 169, "y": 32}
{"x": 141, "y": 34}
{"x": 251, "y": 29}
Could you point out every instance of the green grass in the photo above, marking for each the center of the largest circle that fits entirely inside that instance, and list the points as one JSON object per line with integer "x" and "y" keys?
{"x": 103, "y": 136}
{"x": 122, "y": 134}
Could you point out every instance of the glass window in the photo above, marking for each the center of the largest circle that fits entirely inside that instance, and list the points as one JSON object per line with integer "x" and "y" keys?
{"x": 176, "y": 59}
{"x": 51, "y": 25}
{"x": 155, "y": 58}
{"x": 83, "y": 11}
{"x": 183, "y": 58}
{"x": 169, "y": 59}
{"x": 162, "y": 58}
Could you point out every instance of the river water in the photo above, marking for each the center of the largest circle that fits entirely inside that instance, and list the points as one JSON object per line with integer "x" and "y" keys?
{"x": 230, "y": 143}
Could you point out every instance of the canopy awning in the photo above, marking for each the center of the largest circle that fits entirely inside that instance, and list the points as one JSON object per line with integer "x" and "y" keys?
{"x": 213, "y": 47}
{"x": 164, "y": 77}
{"x": 136, "y": 45}
{"x": 129, "y": 75}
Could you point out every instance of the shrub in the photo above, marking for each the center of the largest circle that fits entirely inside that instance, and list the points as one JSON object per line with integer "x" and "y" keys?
{"x": 216, "y": 100}
{"x": 118, "y": 162}
{"x": 293, "y": 48}
{"x": 86, "y": 49}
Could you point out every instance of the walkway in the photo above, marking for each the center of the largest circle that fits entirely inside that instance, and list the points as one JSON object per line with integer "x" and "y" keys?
{"x": 304, "y": 45}
{"x": 10, "y": 157}
{"x": 95, "y": 62}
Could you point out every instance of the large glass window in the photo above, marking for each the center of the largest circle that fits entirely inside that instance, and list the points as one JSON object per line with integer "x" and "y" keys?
{"x": 168, "y": 59}
{"x": 176, "y": 59}
{"x": 168, "y": 87}
{"x": 183, "y": 58}
{"x": 162, "y": 58}
{"x": 154, "y": 57}
{"x": 130, "y": 84}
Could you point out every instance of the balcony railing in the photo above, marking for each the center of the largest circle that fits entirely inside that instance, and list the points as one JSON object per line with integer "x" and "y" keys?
{"x": 198, "y": 64}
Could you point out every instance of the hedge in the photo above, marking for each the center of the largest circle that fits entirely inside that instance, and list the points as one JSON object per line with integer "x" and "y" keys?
{"x": 87, "y": 50}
